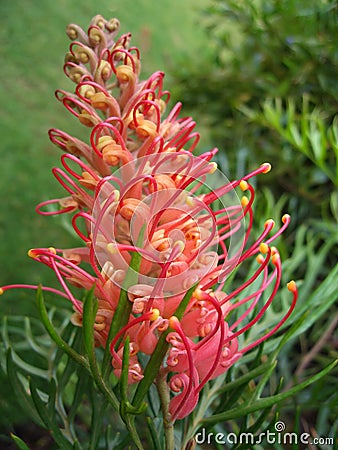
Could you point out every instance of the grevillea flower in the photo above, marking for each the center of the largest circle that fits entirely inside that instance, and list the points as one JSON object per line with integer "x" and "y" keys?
{"x": 156, "y": 222}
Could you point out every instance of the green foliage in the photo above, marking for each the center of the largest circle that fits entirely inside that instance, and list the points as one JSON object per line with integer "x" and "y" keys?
{"x": 267, "y": 50}
{"x": 276, "y": 48}
{"x": 20, "y": 443}
{"x": 62, "y": 387}
{"x": 307, "y": 133}
{"x": 58, "y": 394}
{"x": 270, "y": 94}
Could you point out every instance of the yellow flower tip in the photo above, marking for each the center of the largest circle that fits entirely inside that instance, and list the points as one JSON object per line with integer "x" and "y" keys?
{"x": 189, "y": 201}
{"x": 52, "y": 250}
{"x": 286, "y": 218}
{"x": 124, "y": 73}
{"x": 260, "y": 259}
{"x": 244, "y": 201}
{"x": 99, "y": 101}
{"x": 1, "y": 291}
{"x": 275, "y": 259}
{"x": 243, "y": 185}
{"x": 267, "y": 167}
{"x": 146, "y": 128}
{"x": 263, "y": 248}
{"x": 269, "y": 223}
{"x": 292, "y": 286}
{"x": 180, "y": 245}
{"x": 94, "y": 36}
{"x": 213, "y": 167}
{"x": 198, "y": 294}
{"x": 87, "y": 91}
{"x": 71, "y": 32}
{"x": 105, "y": 70}
{"x": 103, "y": 141}
{"x": 274, "y": 250}
{"x": 173, "y": 321}
{"x": 32, "y": 253}
{"x": 116, "y": 195}
{"x": 155, "y": 314}
{"x": 86, "y": 119}
{"x": 112, "y": 248}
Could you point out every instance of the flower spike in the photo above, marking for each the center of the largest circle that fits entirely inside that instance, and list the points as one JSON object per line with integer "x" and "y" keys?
{"x": 161, "y": 229}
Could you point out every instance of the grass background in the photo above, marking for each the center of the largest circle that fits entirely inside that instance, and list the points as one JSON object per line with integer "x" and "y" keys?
{"x": 33, "y": 46}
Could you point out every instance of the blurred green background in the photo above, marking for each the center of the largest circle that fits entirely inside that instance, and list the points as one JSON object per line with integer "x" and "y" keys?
{"x": 33, "y": 46}
{"x": 259, "y": 77}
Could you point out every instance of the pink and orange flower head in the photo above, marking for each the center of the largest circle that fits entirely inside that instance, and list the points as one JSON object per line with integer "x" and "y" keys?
{"x": 142, "y": 196}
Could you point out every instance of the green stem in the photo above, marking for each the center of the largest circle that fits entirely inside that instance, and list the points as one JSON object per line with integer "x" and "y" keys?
{"x": 164, "y": 396}
{"x": 89, "y": 314}
{"x": 155, "y": 361}
{"x": 151, "y": 370}
{"x": 130, "y": 423}
{"x": 124, "y": 306}
{"x": 54, "y": 335}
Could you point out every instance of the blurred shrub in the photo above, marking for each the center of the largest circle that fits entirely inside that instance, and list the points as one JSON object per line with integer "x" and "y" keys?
{"x": 266, "y": 50}
{"x": 268, "y": 93}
